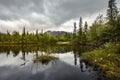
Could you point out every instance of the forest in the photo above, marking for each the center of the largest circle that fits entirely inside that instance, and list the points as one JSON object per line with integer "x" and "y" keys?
{"x": 105, "y": 35}
{"x": 32, "y": 38}
{"x": 103, "y": 30}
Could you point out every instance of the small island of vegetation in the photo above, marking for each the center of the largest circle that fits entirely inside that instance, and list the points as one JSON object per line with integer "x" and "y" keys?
{"x": 44, "y": 59}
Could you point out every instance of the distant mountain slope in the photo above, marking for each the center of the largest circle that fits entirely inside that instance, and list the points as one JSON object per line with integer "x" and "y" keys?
{"x": 57, "y": 33}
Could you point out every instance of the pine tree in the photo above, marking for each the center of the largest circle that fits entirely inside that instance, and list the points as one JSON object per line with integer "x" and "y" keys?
{"x": 23, "y": 35}
{"x": 80, "y": 23}
{"x": 37, "y": 32}
{"x": 85, "y": 27}
{"x": 113, "y": 14}
{"x": 80, "y": 27}
{"x": 80, "y": 33}
{"x": 112, "y": 11}
{"x": 37, "y": 35}
{"x": 23, "y": 31}
{"x": 74, "y": 32}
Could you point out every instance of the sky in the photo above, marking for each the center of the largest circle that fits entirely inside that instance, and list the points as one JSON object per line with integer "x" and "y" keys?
{"x": 48, "y": 14}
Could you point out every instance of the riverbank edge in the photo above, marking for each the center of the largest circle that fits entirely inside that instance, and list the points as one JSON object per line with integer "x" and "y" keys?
{"x": 106, "y": 60}
{"x": 32, "y": 43}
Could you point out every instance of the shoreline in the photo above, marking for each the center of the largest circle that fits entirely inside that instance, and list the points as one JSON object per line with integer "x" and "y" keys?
{"x": 106, "y": 60}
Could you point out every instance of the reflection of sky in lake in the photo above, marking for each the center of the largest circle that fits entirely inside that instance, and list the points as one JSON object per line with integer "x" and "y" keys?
{"x": 16, "y": 68}
{"x": 11, "y": 60}
{"x": 67, "y": 57}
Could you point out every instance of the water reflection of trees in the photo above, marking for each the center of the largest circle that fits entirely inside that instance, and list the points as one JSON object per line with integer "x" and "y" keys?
{"x": 26, "y": 49}
{"x": 35, "y": 50}
{"x": 77, "y": 51}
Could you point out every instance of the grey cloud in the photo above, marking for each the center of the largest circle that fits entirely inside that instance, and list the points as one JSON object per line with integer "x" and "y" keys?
{"x": 20, "y": 8}
{"x": 69, "y": 9}
{"x": 49, "y": 13}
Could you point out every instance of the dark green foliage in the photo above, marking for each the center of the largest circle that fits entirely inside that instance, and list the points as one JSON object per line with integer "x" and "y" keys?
{"x": 106, "y": 59}
{"x": 31, "y": 38}
{"x": 80, "y": 32}
{"x": 79, "y": 37}
{"x": 102, "y": 30}
{"x": 104, "y": 35}
{"x": 112, "y": 12}
{"x": 85, "y": 27}
{"x": 74, "y": 32}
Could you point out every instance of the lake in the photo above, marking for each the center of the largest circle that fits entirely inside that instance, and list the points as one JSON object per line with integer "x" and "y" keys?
{"x": 16, "y": 63}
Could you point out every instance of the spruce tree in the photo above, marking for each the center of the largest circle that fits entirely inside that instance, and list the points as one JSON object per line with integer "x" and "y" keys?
{"x": 37, "y": 35}
{"x": 23, "y": 31}
{"x": 112, "y": 11}
{"x": 80, "y": 27}
{"x": 80, "y": 31}
{"x": 23, "y": 35}
{"x": 112, "y": 15}
{"x": 85, "y": 27}
{"x": 80, "y": 23}
{"x": 74, "y": 32}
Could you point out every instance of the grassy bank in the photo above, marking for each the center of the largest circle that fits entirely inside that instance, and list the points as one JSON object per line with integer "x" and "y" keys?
{"x": 33, "y": 43}
{"x": 107, "y": 60}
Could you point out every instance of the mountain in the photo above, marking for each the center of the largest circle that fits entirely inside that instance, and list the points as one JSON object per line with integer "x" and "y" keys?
{"x": 57, "y": 33}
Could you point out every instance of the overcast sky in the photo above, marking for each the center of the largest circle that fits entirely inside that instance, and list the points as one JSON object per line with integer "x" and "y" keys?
{"x": 48, "y": 14}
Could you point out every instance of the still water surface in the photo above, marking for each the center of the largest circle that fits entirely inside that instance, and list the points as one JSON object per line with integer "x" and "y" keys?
{"x": 16, "y": 63}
